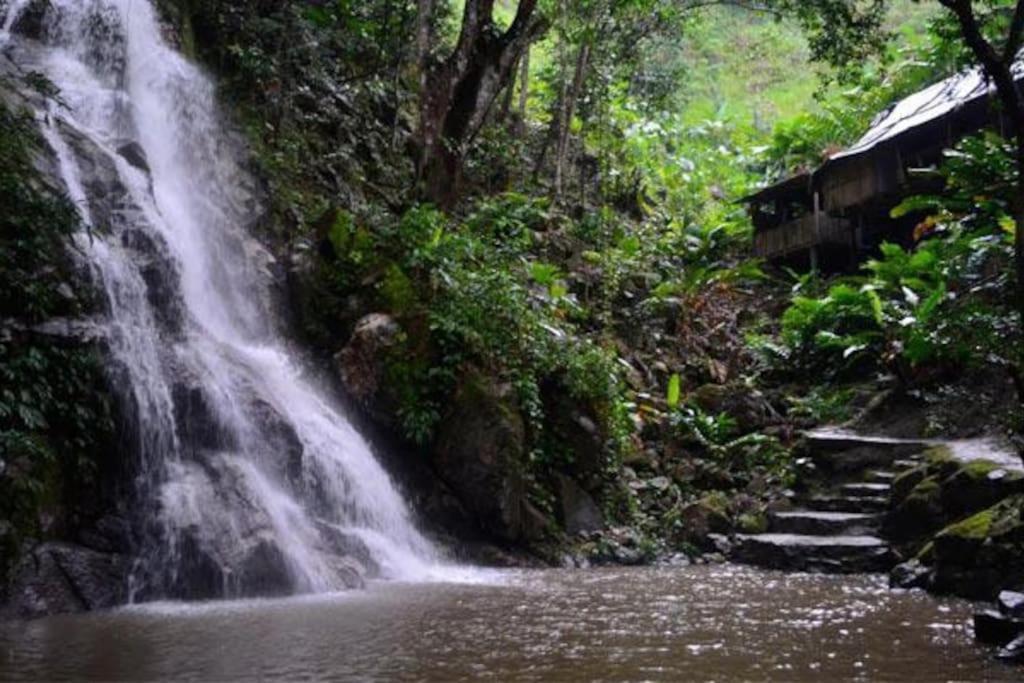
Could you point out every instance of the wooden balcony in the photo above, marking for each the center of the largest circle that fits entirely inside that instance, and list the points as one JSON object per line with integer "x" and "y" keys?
{"x": 803, "y": 233}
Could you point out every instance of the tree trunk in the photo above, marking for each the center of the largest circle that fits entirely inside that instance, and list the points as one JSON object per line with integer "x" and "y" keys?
{"x": 568, "y": 111}
{"x": 1017, "y": 209}
{"x": 457, "y": 95}
{"x": 510, "y": 91}
{"x": 524, "y": 91}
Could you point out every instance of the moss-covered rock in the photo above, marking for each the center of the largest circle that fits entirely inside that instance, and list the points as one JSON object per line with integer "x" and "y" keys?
{"x": 696, "y": 520}
{"x": 982, "y": 554}
{"x": 481, "y": 452}
{"x": 943, "y": 490}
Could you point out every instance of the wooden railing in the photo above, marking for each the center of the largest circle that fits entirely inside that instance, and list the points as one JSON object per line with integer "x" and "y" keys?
{"x": 803, "y": 233}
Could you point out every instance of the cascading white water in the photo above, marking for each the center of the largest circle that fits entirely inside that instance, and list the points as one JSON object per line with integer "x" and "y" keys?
{"x": 256, "y": 481}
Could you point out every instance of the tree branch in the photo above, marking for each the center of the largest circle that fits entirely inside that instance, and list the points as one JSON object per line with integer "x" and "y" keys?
{"x": 1016, "y": 31}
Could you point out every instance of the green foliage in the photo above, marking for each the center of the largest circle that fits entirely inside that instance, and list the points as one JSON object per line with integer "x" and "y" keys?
{"x": 672, "y": 394}
{"x": 718, "y": 437}
{"x": 55, "y": 415}
{"x": 823, "y": 405}
{"x": 33, "y": 265}
{"x": 945, "y": 303}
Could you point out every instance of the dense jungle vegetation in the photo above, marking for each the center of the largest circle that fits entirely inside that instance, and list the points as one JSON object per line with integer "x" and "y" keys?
{"x": 517, "y": 229}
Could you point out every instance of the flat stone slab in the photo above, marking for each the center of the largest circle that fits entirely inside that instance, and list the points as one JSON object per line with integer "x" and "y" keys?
{"x": 843, "y": 438}
{"x": 965, "y": 450}
{"x": 866, "y": 489}
{"x": 817, "y": 522}
{"x": 906, "y": 463}
{"x": 809, "y": 540}
{"x": 804, "y": 552}
{"x": 847, "y": 503}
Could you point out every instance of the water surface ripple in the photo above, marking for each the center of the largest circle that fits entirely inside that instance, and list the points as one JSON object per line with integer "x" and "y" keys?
{"x": 721, "y": 623}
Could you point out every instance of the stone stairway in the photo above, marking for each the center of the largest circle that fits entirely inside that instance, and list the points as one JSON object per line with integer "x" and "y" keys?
{"x": 835, "y": 530}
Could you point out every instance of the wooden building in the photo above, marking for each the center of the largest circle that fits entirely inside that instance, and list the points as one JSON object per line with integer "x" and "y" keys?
{"x": 834, "y": 216}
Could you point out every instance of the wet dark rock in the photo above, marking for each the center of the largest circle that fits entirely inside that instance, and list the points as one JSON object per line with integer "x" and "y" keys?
{"x": 535, "y": 524}
{"x": 840, "y": 503}
{"x": 721, "y": 544}
{"x": 279, "y": 439}
{"x": 983, "y": 554}
{"x": 833, "y": 554}
{"x": 56, "y": 578}
{"x": 839, "y": 453}
{"x": 579, "y": 512}
{"x": 109, "y": 200}
{"x": 351, "y": 546}
{"x": 1012, "y": 651}
{"x": 161, "y": 280}
{"x": 1011, "y": 603}
{"x": 253, "y": 567}
{"x": 700, "y": 519}
{"x": 197, "y": 423}
{"x": 575, "y": 427}
{"x": 910, "y": 574}
{"x": 263, "y": 572}
{"x": 480, "y": 452}
{"x": 749, "y": 407}
{"x": 628, "y": 556}
{"x": 361, "y": 365}
{"x": 32, "y": 21}
{"x": 821, "y": 522}
{"x": 993, "y": 628}
{"x": 134, "y": 154}
{"x": 943, "y": 490}
{"x": 109, "y": 534}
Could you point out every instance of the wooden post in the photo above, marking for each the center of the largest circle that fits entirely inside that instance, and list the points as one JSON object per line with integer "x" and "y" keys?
{"x": 817, "y": 216}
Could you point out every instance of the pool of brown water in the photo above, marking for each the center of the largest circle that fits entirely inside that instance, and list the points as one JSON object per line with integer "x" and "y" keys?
{"x": 721, "y": 623}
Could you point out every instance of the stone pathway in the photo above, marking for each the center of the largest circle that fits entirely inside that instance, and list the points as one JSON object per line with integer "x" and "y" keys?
{"x": 835, "y": 530}
{"x": 964, "y": 450}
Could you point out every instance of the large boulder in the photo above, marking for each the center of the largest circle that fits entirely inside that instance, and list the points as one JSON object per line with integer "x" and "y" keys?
{"x": 748, "y": 406}
{"x": 57, "y": 578}
{"x": 579, "y": 512}
{"x": 698, "y": 520}
{"x": 982, "y": 554}
{"x": 480, "y": 453}
{"x": 31, "y": 22}
{"x": 361, "y": 365}
{"x": 575, "y": 427}
{"x": 943, "y": 490}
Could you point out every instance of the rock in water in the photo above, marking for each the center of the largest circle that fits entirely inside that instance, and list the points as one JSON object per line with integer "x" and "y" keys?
{"x": 993, "y": 628}
{"x": 910, "y": 574}
{"x": 1013, "y": 651}
{"x": 1011, "y": 603}
{"x": 57, "y": 578}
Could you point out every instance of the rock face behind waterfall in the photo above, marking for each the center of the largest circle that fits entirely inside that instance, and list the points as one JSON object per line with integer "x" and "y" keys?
{"x": 243, "y": 478}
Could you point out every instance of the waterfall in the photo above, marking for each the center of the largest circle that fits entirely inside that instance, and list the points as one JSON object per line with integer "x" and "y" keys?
{"x": 250, "y": 480}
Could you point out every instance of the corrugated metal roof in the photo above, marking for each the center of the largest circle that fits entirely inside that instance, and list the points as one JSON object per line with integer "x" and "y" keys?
{"x": 923, "y": 106}
{"x": 926, "y": 105}
{"x": 799, "y": 181}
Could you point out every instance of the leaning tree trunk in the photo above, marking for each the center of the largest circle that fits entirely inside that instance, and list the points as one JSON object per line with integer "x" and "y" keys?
{"x": 459, "y": 93}
{"x": 567, "y": 113}
{"x": 524, "y": 91}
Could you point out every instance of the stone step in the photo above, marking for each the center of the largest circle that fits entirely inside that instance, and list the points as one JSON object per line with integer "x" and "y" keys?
{"x": 841, "y": 451}
{"x": 865, "y": 490}
{"x": 847, "y": 503}
{"x": 906, "y": 463}
{"x": 815, "y": 522}
{"x": 799, "y": 552}
{"x": 880, "y": 476}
